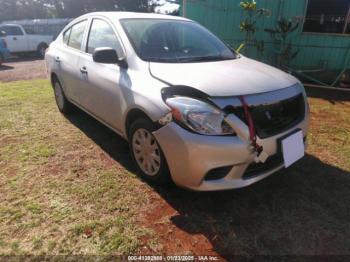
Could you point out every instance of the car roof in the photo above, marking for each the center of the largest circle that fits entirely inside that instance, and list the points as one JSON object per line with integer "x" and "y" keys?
{"x": 128, "y": 15}
{"x": 9, "y": 25}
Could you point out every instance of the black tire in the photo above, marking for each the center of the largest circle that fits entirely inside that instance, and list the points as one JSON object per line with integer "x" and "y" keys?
{"x": 40, "y": 51}
{"x": 62, "y": 102}
{"x": 1, "y": 59}
{"x": 161, "y": 177}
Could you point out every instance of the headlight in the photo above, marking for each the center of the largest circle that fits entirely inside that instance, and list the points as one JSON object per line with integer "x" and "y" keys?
{"x": 199, "y": 116}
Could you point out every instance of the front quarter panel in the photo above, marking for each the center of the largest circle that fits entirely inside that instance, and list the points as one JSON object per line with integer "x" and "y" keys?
{"x": 141, "y": 91}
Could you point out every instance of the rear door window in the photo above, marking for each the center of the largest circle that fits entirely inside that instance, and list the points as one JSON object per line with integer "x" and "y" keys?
{"x": 76, "y": 35}
{"x": 66, "y": 36}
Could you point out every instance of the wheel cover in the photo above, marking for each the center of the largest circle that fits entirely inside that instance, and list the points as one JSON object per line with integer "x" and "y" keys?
{"x": 59, "y": 96}
{"x": 146, "y": 152}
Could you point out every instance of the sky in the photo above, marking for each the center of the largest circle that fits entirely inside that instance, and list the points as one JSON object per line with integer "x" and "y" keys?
{"x": 166, "y": 7}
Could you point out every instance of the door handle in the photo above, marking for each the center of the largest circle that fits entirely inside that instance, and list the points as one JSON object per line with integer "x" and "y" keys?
{"x": 15, "y": 38}
{"x": 83, "y": 70}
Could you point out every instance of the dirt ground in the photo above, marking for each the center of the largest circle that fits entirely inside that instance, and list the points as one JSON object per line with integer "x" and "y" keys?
{"x": 22, "y": 69}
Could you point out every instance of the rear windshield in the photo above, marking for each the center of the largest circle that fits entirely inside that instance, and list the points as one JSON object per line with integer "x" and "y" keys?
{"x": 174, "y": 41}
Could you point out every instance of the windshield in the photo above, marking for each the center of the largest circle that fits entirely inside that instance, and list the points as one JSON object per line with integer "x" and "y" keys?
{"x": 174, "y": 41}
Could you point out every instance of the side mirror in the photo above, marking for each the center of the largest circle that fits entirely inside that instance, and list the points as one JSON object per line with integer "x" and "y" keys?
{"x": 107, "y": 55}
{"x": 3, "y": 34}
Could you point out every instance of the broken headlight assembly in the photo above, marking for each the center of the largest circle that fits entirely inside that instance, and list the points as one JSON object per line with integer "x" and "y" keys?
{"x": 199, "y": 116}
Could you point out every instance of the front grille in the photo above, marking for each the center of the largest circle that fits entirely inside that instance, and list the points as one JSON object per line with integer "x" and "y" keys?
{"x": 272, "y": 119}
{"x": 256, "y": 169}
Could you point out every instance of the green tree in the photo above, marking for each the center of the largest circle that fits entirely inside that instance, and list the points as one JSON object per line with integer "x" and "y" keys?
{"x": 29, "y": 9}
{"x": 248, "y": 26}
{"x": 21, "y": 9}
{"x": 282, "y": 36}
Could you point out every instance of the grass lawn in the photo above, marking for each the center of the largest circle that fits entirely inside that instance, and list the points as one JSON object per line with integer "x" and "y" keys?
{"x": 59, "y": 192}
{"x": 67, "y": 186}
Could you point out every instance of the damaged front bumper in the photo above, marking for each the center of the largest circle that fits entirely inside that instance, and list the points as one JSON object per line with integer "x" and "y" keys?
{"x": 210, "y": 163}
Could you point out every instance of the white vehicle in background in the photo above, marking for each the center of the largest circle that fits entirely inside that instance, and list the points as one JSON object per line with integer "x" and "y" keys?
{"x": 20, "y": 41}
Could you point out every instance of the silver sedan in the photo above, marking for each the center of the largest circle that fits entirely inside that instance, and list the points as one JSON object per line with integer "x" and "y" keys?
{"x": 194, "y": 111}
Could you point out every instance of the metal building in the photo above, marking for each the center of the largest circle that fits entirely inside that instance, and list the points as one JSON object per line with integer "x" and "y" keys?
{"x": 321, "y": 40}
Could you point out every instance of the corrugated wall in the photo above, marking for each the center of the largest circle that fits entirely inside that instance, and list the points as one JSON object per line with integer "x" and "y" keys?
{"x": 223, "y": 18}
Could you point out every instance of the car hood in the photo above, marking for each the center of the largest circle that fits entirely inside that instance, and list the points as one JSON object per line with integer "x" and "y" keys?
{"x": 242, "y": 76}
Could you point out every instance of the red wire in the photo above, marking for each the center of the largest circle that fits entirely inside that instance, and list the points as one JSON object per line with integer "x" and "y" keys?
{"x": 248, "y": 116}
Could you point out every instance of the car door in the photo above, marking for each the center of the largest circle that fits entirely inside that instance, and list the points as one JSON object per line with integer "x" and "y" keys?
{"x": 67, "y": 60}
{"x": 32, "y": 40}
{"x": 16, "y": 39}
{"x": 103, "y": 82}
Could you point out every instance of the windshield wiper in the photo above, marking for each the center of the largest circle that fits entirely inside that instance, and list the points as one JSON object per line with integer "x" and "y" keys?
{"x": 203, "y": 59}
{"x": 187, "y": 59}
{"x": 159, "y": 59}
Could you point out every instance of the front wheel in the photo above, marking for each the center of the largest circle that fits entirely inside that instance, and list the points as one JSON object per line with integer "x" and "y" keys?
{"x": 147, "y": 153}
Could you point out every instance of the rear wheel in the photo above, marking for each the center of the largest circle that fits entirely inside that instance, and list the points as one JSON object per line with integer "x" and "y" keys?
{"x": 147, "y": 153}
{"x": 41, "y": 50}
{"x": 63, "y": 104}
